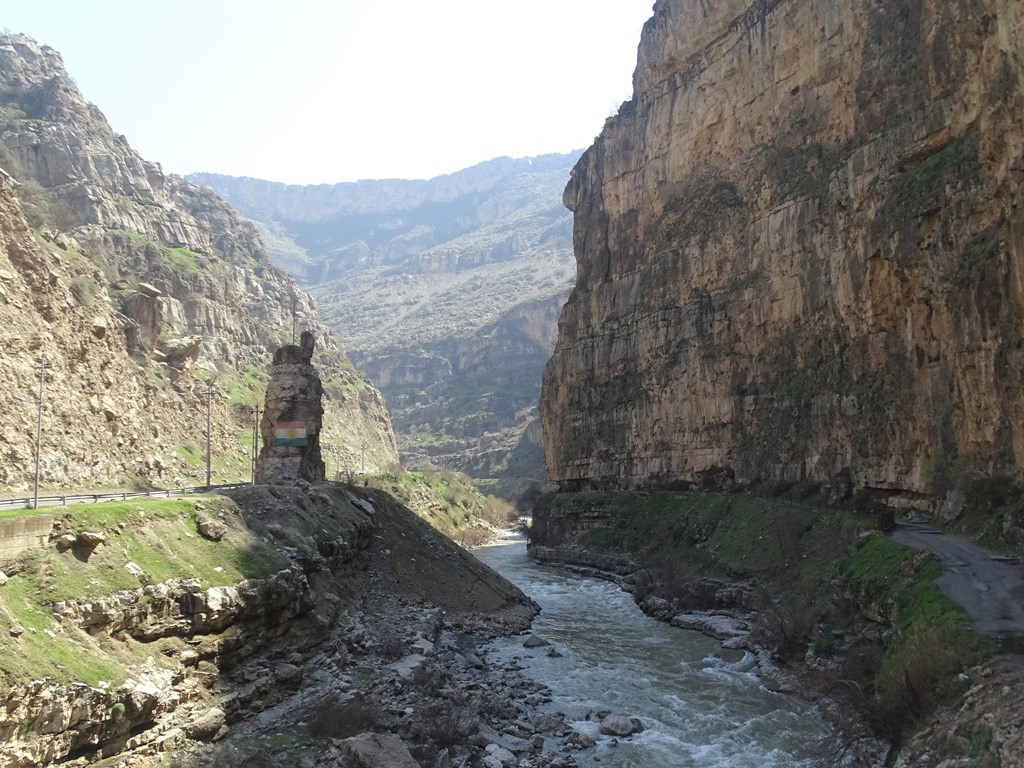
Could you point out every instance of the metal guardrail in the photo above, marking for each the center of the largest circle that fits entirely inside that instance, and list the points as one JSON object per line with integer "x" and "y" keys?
{"x": 95, "y": 498}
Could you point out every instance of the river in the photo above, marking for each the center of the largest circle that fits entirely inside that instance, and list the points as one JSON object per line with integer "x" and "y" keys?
{"x": 701, "y": 705}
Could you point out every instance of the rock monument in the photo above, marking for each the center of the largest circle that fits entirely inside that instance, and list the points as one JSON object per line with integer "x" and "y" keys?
{"x": 292, "y": 416}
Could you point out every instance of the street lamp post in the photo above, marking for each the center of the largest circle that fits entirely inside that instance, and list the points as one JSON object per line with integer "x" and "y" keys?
{"x": 41, "y": 365}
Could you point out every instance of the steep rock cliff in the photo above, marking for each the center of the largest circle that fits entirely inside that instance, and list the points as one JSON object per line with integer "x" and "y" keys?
{"x": 140, "y": 289}
{"x": 800, "y": 248}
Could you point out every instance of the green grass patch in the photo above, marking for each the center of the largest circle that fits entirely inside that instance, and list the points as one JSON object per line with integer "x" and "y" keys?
{"x": 931, "y": 641}
{"x": 183, "y": 261}
{"x": 735, "y": 536}
{"x": 63, "y": 657}
{"x": 447, "y": 500}
{"x": 923, "y": 186}
{"x": 6, "y": 514}
{"x": 245, "y": 387}
{"x": 190, "y": 453}
{"x": 161, "y": 537}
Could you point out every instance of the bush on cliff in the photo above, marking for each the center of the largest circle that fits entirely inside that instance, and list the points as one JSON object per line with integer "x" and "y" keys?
{"x": 449, "y": 502}
{"x": 925, "y": 640}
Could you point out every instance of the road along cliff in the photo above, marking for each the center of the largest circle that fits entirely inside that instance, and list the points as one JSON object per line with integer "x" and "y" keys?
{"x": 799, "y": 250}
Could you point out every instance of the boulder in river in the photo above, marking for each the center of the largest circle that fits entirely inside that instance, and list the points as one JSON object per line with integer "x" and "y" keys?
{"x": 620, "y": 725}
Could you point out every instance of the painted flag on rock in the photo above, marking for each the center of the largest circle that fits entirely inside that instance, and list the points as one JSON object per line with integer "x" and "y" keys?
{"x": 290, "y": 433}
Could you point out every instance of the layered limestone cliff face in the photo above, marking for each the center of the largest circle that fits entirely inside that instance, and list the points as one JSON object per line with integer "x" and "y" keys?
{"x": 140, "y": 289}
{"x": 800, "y": 248}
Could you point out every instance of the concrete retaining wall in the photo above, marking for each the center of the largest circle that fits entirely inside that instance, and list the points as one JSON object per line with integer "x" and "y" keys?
{"x": 20, "y": 533}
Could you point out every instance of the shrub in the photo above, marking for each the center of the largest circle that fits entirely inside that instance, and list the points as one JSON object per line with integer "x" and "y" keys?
{"x": 83, "y": 290}
{"x": 498, "y": 511}
{"x": 449, "y": 723}
{"x": 335, "y": 718}
{"x": 784, "y": 627}
{"x": 61, "y": 215}
{"x": 917, "y": 675}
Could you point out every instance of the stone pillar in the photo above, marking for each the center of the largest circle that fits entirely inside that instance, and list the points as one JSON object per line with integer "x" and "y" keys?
{"x": 292, "y": 416}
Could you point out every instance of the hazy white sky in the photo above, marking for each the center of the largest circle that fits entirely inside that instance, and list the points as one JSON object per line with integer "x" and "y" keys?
{"x": 312, "y": 91}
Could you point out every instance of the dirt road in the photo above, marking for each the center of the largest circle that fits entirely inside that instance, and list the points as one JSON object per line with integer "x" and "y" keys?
{"x": 990, "y": 587}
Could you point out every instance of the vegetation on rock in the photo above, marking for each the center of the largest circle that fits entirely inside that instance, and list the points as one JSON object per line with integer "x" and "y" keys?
{"x": 450, "y": 502}
{"x": 161, "y": 538}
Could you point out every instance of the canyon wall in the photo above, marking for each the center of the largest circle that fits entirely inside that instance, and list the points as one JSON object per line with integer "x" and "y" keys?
{"x": 800, "y": 249}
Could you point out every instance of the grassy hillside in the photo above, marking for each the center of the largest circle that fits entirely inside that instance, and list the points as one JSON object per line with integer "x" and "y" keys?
{"x": 449, "y": 502}
{"x": 161, "y": 538}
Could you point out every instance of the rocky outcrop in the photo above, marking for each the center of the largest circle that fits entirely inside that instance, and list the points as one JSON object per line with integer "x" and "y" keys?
{"x": 799, "y": 249}
{"x": 204, "y": 633}
{"x": 140, "y": 289}
{"x": 352, "y": 580}
{"x": 292, "y": 416}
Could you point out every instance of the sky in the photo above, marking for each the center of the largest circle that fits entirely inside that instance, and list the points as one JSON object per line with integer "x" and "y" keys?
{"x": 324, "y": 91}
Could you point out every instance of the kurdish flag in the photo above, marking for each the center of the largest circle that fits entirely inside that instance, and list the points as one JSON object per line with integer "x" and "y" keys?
{"x": 290, "y": 433}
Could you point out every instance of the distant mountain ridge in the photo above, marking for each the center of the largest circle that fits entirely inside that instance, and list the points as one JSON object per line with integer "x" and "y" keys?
{"x": 318, "y": 232}
{"x": 446, "y": 293}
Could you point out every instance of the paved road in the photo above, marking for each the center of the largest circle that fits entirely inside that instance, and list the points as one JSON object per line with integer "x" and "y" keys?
{"x": 989, "y": 587}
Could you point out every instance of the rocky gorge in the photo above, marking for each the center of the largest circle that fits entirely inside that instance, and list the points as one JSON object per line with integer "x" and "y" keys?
{"x": 798, "y": 298}
{"x": 447, "y": 292}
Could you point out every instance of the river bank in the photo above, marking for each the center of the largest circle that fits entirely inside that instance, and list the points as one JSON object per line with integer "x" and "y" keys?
{"x": 835, "y": 613}
{"x": 406, "y": 677}
{"x": 323, "y": 626}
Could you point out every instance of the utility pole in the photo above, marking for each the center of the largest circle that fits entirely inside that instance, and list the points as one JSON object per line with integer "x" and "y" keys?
{"x": 208, "y": 393}
{"x": 255, "y": 442}
{"x": 41, "y": 365}
{"x": 294, "y": 299}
